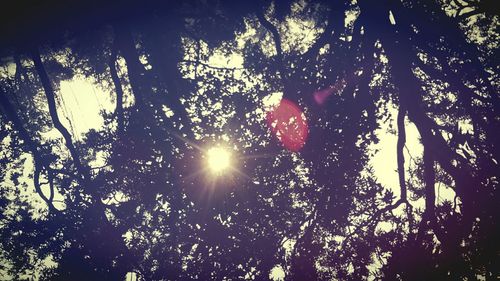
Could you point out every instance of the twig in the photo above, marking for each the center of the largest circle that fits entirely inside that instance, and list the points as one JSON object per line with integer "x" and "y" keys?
{"x": 211, "y": 66}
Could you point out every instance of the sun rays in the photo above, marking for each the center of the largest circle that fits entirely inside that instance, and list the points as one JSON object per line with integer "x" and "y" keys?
{"x": 215, "y": 168}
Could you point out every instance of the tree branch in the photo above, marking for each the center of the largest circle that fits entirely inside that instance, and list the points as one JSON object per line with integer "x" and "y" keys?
{"x": 51, "y": 101}
{"x": 274, "y": 31}
{"x": 400, "y": 152}
{"x": 135, "y": 70}
{"x": 38, "y": 188}
{"x": 211, "y": 66}
{"x": 118, "y": 86}
{"x": 324, "y": 38}
{"x": 11, "y": 115}
{"x": 429, "y": 178}
{"x": 469, "y": 14}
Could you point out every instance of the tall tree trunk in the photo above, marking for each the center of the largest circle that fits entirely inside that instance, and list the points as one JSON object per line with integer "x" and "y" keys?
{"x": 94, "y": 218}
{"x": 135, "y": 69}
{"x": 51, "y": 101}
{"x": 118, "y": 86}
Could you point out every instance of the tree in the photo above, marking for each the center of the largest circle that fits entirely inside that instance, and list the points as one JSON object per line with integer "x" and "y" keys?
{"x": 300, "y": 104}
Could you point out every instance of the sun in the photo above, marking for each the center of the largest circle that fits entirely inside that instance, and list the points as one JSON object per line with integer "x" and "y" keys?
{"x": 218, "y": 159}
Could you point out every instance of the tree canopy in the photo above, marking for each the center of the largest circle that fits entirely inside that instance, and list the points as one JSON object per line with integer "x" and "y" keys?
{"x": 249, "y": 140}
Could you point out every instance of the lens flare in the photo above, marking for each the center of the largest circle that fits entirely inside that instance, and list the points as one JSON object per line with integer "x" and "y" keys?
{"x": 289, "y": 124}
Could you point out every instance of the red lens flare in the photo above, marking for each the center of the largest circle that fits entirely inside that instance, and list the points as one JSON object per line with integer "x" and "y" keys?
{"x": 289, "y": 124}
{"x": 321, "y": 96}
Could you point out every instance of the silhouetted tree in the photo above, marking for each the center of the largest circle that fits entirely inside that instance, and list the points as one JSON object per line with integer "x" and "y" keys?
{"x": 133, "y": 197}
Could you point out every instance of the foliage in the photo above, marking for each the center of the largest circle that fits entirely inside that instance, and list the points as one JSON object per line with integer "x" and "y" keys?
{"x": 133, "y": 198}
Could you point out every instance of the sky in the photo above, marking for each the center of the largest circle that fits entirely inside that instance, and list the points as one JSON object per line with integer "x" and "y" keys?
{"x": 80, "y": 102}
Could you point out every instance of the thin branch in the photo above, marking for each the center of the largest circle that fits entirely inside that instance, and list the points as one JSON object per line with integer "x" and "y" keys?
{"x": 458, "y": 3}
{"x": 387, "y": 209}
{"x": 374, "y": 219}
{"x": 211, "y": 66}
{"x": 38, "y": 188}
{"x": 429, "y": 178}
{"x": 409, "y": 154}
{"x": 274, "y": 31}
{"x": 469, "y": 14}
{"x": 63, "y": 172}
{"x": 51, "y": 185}
{"x": 400, "y": 152}
{"x": 118, "y": 86}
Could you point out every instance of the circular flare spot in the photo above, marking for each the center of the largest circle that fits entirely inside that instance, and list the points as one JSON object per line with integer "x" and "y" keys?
{"x": 289, "y": 124}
